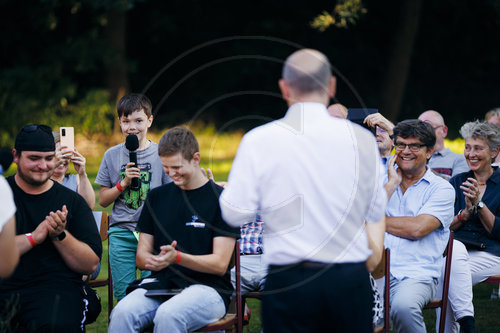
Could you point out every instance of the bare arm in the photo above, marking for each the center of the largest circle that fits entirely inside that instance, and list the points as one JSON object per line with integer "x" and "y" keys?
{"x": 8, "y": 249}
{"x": 375, "y": 233}
{"x": 76, "y": 254}
{"x": 412, "y": 228}
{"x": 108, "y": 195}
{"x": 84, "y": 186}
{"x": 214, "y": 263}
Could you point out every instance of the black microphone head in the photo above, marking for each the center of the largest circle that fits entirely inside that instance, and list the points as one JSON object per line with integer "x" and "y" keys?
{"x": 132, "y": 142}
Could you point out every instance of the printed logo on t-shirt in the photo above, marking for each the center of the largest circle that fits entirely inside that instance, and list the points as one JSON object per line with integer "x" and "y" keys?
{"x": 194, "y": 223}
{"x": 134, "y": 198}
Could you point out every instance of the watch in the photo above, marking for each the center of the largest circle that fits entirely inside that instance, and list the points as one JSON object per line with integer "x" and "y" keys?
{"x": 480, "y": 204}
{"x": 60, "y": 237}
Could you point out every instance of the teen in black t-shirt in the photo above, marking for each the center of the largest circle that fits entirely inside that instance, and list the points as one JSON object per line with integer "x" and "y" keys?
{"x": 185, "y": 243}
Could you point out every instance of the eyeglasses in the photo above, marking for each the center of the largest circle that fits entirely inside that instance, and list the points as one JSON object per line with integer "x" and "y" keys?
{"x": 414, "y": 147}
{"x": 32, "y": 128}
{"x": 435, "y": 128}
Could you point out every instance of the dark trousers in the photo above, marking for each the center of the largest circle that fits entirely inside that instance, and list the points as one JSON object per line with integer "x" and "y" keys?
{"x": 46, "y": 308}
{"x": 311, "y": 297}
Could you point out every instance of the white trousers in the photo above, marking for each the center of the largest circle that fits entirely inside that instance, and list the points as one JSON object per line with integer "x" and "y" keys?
{"x": 468, "y": 267}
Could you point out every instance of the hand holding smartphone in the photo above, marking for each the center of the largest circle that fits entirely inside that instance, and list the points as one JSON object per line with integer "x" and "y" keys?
{"x": 67, "y": 137}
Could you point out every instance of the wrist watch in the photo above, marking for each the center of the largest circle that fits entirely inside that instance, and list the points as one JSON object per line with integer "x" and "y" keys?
{"x": 60, "y": 237}
{"x": 480, "y": 205}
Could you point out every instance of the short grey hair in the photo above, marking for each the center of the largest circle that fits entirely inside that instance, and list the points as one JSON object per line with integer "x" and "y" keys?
{"x": 492, "y": 113}
{"x": 307, "y": 71}
{"x": 481, "y": 130}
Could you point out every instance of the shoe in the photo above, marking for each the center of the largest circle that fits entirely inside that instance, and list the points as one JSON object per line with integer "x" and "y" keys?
{"x": 467, "y": 324}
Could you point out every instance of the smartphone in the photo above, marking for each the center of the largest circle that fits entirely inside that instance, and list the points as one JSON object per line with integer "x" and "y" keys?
{"x": 67, "y": 135}
{"x": 358, "y": 116}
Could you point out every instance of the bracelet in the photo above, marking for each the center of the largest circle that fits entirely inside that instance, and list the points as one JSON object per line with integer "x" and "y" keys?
{"x": 460, "y": 217}
{"x": 119, "y": 186}
{"x": 31, "y": 239}
{"x": 178, "y": 259}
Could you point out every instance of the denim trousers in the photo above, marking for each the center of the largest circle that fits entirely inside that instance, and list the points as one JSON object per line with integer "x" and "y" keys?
{"x": 195, "y": 307}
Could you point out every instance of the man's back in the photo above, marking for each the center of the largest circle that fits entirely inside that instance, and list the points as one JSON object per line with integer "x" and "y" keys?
{"x": 287, "y": 160}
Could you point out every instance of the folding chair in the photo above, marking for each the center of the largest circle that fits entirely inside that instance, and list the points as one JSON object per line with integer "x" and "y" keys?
{"x": 493, "y": 279}
{"x": 102, "y": 221}
{"x": 231, "y": 321}
{"x": 439, "y": 303}
{"x": 443, "y": 302}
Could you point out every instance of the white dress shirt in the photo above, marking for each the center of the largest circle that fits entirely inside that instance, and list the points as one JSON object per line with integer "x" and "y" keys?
{"x": 314, "y": 179}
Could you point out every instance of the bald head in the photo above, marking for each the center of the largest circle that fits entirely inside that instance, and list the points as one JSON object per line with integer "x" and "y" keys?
{"x": 435, "y": 119}
{"x": 307, "y": 71}
{"x": 432, "y": 117}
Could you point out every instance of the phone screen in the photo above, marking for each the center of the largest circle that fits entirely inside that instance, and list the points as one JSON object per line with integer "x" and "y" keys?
{"x": 67, "y": 135}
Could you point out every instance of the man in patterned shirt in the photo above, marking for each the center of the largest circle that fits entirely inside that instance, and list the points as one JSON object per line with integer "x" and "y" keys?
{"x": 253, "y": 269}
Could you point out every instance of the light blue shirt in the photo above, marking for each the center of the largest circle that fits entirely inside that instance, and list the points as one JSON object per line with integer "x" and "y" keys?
{"x": 421, "y": 259}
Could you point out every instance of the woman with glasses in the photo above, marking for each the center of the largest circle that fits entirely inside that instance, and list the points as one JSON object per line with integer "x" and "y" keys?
{"x": 476, "y": 250}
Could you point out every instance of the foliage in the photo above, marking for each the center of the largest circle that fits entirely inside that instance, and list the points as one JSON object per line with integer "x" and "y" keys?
{"x": 345, "y": 13}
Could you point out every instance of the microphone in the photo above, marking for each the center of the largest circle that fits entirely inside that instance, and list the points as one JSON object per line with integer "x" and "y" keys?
{"x": 132, "y": 143}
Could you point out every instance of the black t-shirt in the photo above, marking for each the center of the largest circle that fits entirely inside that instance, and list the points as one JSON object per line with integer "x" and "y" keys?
{"x": 193, "y": 219}
{"x": 43, "y": 262}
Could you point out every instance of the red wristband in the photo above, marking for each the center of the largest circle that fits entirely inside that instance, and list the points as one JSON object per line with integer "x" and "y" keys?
{"x": 31, "y": 239}
{"x": 119, "y": 186}
{"x": 178, "y": 259}
{"x": 460, "y": 217}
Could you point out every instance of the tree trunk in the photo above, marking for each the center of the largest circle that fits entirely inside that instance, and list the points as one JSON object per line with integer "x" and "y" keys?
{"x": 116, "y": 69}
{"x": 393, "y": 88}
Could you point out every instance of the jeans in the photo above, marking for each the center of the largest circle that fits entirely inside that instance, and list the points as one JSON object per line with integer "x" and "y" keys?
{"x": 408, "y": 297}
{"x": 122, "y": 251}
{"x": 195, "y": 307}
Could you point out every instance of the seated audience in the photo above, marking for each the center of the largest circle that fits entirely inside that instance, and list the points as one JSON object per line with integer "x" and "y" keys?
{"x": 443, "y": 160}
{"x": 383, "y": 134}
{"x": 185, "y": 243}
{"x": 79, "y": 183}
{"x": 419, "y": 212}
{"x": 476, "y": 250}
{"x": 56, "y": 240}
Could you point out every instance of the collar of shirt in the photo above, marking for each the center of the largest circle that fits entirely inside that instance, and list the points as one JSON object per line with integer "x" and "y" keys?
{"x": 443, "y": 152}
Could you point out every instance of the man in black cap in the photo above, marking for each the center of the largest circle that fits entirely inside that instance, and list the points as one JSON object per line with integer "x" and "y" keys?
{"x": 56, "y": 237}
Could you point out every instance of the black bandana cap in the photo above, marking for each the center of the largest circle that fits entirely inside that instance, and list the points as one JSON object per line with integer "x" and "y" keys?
{"x": 35, "y": 138}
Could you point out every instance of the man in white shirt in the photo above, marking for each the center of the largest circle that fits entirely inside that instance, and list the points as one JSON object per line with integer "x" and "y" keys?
{"x": 315, "y": 180}
{"x": 443, "y": 160}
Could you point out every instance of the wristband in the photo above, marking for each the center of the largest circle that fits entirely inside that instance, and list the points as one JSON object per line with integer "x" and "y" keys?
{"x": 31, "y": 239}
{"x": 119, "y": 186}
{"x": 460, "y": 217}
{"x": 178, "y": 259}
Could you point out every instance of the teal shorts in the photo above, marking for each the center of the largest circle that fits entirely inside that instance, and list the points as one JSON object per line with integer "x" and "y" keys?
{"x": 122, "y": 252}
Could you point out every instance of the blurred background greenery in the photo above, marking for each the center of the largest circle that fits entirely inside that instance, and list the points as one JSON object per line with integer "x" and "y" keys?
{"x": 66, "y": 63}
